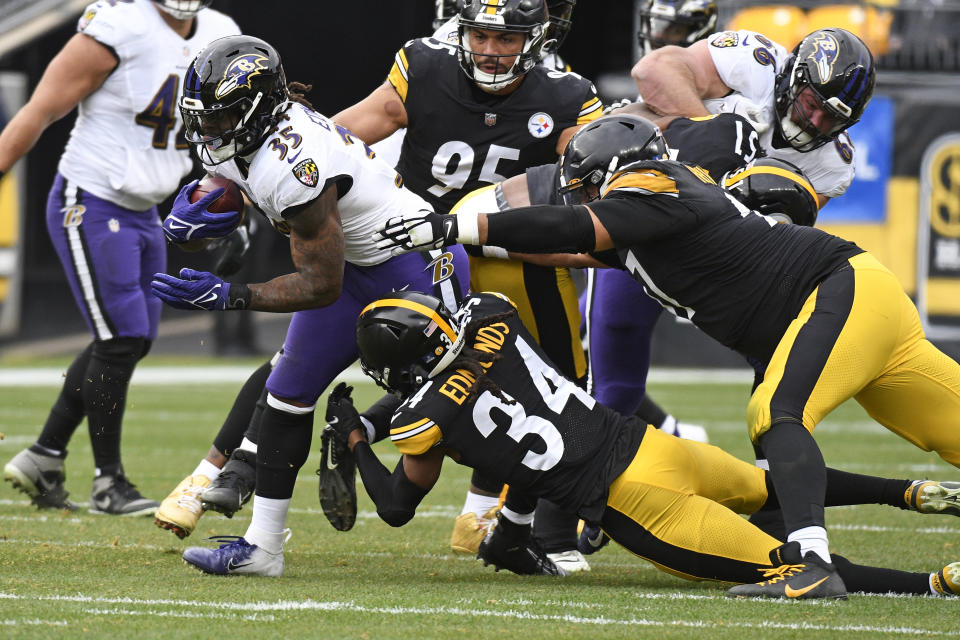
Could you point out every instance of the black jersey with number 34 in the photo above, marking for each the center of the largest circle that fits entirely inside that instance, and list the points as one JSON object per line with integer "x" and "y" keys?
{"x": 549, "y": 438}
{"x": 737, "y": 275}
{"x": 460, "y": 138}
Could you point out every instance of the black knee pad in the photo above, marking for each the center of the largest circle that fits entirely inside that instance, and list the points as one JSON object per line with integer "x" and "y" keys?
{"x": 119, "y": 350}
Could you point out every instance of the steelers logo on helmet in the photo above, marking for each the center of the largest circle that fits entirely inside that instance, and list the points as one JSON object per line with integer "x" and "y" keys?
{"x": 239, "y": 72}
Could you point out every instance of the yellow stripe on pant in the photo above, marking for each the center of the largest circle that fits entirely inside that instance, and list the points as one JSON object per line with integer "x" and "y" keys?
{"x": 675, "y": 506}
{"x": 859, "y": 336}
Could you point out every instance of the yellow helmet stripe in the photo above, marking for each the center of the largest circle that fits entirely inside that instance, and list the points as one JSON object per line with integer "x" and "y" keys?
{"x": 492, "y": 8}
{"x": 414, "y": 306}
{"x": 777, "y": 171}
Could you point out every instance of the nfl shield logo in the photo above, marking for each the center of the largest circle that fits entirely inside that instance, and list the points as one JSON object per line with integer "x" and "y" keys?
{"x": 306, "y": 172}
{"x": 489, "y": 119}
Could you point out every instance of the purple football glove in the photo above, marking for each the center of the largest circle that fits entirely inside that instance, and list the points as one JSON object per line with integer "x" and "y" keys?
{"x": 189, "y": 220}
{"x": 192, "y": 290}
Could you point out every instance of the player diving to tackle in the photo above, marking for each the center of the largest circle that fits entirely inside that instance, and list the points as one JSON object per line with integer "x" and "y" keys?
{"x": 478, "y": 389}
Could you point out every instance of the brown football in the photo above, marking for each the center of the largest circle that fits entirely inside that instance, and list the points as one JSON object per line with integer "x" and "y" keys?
{"x": 230, "y": 200}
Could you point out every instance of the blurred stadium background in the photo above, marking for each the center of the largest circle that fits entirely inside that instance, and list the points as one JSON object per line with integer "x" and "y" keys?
{"x": 904, "y": 204}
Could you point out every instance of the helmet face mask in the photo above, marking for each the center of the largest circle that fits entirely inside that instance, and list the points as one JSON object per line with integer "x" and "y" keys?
{"x": 479, "y": 19}
{"x": 830, "y": 75}
{"x": 775, "y": 188}
{"x": 561, "y": 22}
{"x": 675, "y": 22}
{"x": 405, "y": 339}
{"x": 604, "y": 148}
{"x": 182, "y": 9}
{"x": 234, "y": 91}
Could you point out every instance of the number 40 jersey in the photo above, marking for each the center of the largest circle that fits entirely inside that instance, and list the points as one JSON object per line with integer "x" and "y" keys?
{"x": 460, "y": 138}
{"x": 548, "y": 437}
{"x": 127, "y": 145}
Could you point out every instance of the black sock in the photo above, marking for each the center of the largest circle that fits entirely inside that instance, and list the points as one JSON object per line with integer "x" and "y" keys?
{"x": 284, "y": 445}
{"x": 853, "y": 488}
{"x": 796, "y": 471}
{"x": 253, "y": 429}
{"x": 554, "y": 529}
{"x": 241, "y": 413}
{"x": 876, "y": 580}
{"x": 650, "y": 412}
{"x": 104, "y": 392}
{"x": 486, "y": 483}
{"x": 67, "y": 412}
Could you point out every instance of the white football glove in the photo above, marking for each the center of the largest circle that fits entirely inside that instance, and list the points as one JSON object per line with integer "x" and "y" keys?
{"x": 759, "y": 117}
{"x": 420, "y": 231}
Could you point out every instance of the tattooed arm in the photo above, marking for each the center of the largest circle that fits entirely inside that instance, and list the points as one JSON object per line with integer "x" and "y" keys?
{"x": 316, "y": 247}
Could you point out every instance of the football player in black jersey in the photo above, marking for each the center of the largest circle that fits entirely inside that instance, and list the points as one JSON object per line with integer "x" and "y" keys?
{"x": 479, "y": 112}
{"x": 829, "y": 321}
{"x": 479, "y": 390}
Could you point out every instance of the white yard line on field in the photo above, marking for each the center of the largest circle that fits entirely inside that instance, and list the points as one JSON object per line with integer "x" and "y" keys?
{"x": 313, "y": 605}
{"x": 227, "y": 374}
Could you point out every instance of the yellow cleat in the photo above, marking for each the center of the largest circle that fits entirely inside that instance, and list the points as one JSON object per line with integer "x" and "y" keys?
{"x": 469, "y": 530}
{"x": 946, "y": 582}
{"x": 930, "y": 496}
{"x": 180, "y": 511}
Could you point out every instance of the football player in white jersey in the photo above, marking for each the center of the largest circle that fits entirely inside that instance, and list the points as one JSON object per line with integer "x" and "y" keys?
{"x": 328, "y": 191}
{"x": 806, "y": 99}
{"x": 126, "y": 153}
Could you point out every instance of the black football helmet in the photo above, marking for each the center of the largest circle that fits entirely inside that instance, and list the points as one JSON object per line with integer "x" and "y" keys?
{"x": 405, "y": 339}
{"x": 604, "y": 147}
{"x": 233, "y": 94}
{"x": 838, "y": 68}
{"x": 675, "y": 22}
{"x": 527, "y": 17}
{"x": 446, "y": 9}
{"x": 775, "y": 188}
{"x": 560, "y": 22}
{"x": 183, "y": 9}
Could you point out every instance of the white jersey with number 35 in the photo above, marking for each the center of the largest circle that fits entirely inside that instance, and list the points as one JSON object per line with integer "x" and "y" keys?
{"x": 307, "y": 154}
{"x": 748, "y": 63}
{"x": 127, "y": 145}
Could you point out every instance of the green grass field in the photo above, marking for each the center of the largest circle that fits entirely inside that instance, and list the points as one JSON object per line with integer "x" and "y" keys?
{"x": 70, "y": 575}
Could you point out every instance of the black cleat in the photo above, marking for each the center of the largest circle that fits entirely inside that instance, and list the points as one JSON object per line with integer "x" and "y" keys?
{"x": 116, "y": 496}
{"x": 338, "y": 482}
{"x": 234, "y": 486}
{"x": 795, "y": 578}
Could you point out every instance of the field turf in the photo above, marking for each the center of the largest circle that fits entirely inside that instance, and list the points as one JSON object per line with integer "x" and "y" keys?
{"x": 77, "y": 575}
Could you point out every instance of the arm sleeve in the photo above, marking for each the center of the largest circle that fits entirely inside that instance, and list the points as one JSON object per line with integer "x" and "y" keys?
{"x": 395, "y": 496}
{"x": 378, "y": 416}
{"x": 542, "y": 229}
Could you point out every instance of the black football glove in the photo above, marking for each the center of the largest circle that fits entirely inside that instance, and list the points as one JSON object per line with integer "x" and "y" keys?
{"x": 592, "y": 539}
{"x": 510, "y": 546}
{"x": 338, "y": 469}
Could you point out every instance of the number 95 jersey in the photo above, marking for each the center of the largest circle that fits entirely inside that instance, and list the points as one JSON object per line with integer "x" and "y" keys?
{"x": 460, "y": 138}
{"x": 549, "y": 438}
{"x": 127, "y": 145}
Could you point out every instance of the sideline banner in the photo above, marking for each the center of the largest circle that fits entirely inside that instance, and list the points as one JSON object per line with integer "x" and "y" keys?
{"x": 13, "y": 88}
